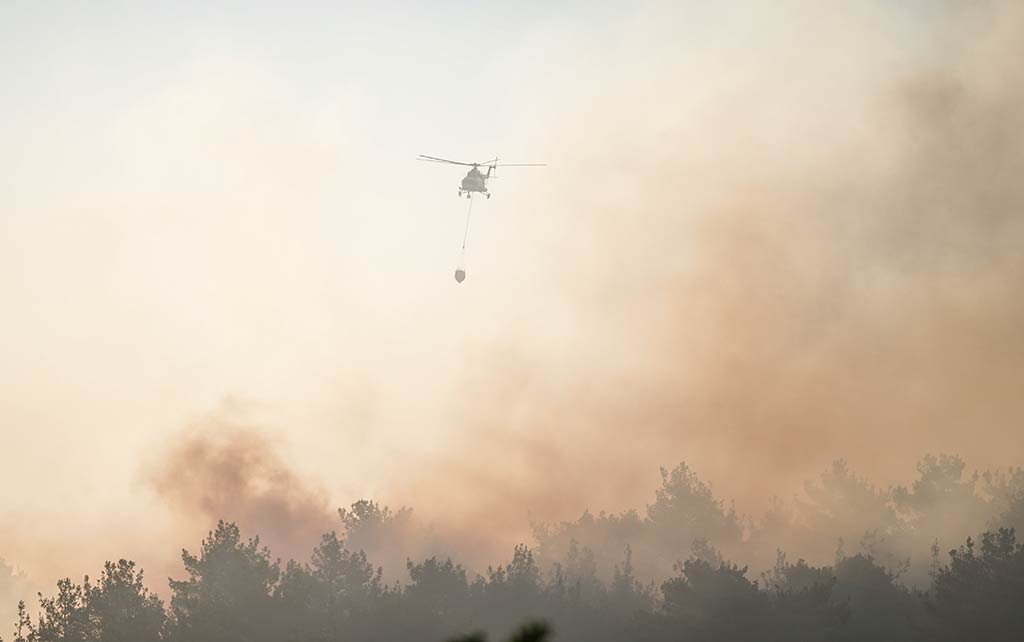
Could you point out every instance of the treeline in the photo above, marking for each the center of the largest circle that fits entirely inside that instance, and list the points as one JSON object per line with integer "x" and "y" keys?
{"x": 839, "y": 513}
{"x": 233, "y": 589}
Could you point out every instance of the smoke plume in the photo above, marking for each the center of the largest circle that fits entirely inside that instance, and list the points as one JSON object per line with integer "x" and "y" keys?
{"x": 790, "y": 251}
{"x": 223, "y": 467}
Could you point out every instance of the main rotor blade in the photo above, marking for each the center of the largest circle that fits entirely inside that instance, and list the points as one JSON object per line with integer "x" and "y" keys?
{"x": 434, "y": 159}
{"x": 521, "y": 165}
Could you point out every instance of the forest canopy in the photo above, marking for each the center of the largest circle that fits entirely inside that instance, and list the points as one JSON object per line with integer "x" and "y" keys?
{"x": 939, "y": 559}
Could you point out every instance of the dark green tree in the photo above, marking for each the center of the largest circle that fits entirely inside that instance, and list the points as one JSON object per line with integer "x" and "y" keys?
{"x": 122, "y": 608}
{"x": 708, "y": 603}
{"x": 118, "y": 608}
{"x": 331, "y": 596}
{"x": 979, "y": 595}
{"x": 228, "y": 595}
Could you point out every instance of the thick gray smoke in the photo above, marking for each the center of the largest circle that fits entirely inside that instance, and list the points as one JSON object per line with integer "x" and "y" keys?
{"x": 227, "y": 467}
{"x": 223, "y": 467}
{"x": 800, "y": 247}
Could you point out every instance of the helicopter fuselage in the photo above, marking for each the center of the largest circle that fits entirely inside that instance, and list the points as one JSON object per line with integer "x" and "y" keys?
{"x": 474, "y": 181}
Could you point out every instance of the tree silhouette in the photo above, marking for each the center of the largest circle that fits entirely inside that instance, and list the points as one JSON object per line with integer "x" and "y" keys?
{"x": 979, "y": 595}
{"x": 116, "y": 609}
{"x": 228, "y": 593}
{"x": 235, "y": 591}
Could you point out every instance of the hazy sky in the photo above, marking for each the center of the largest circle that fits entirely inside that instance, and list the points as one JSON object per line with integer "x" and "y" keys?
{"x": 770, "y": 234}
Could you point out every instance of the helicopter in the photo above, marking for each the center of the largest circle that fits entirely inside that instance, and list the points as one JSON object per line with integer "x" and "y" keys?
{"x": 475, "y": 181}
